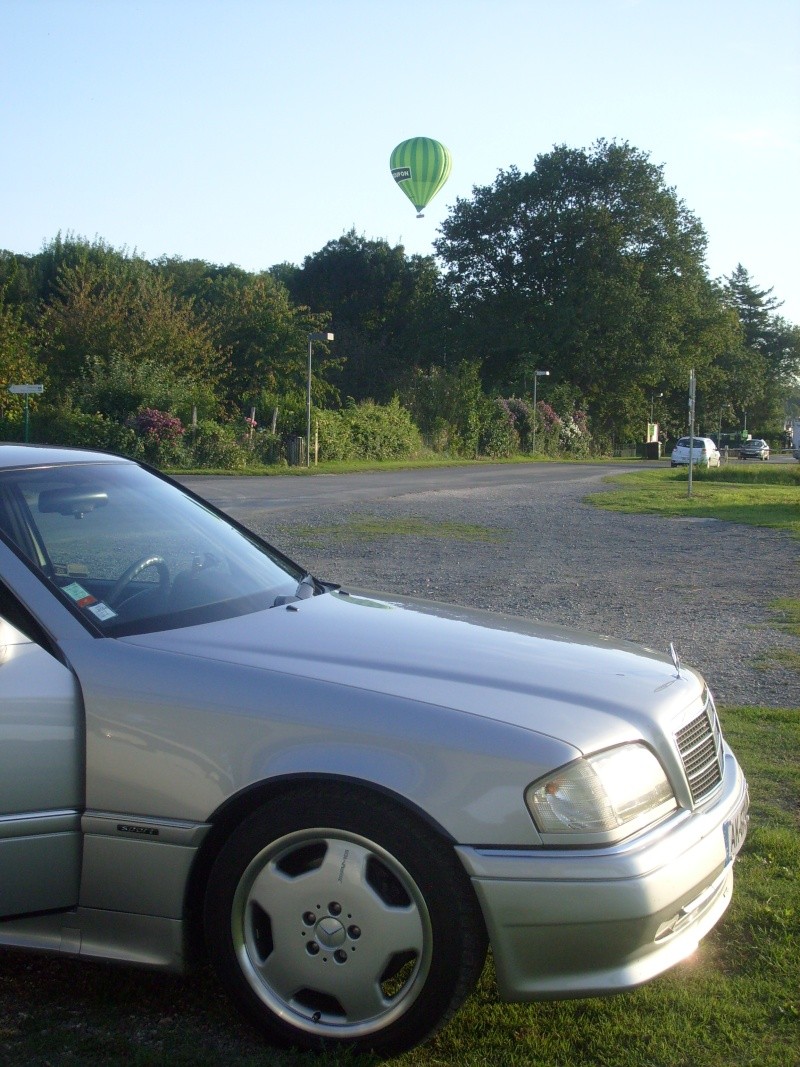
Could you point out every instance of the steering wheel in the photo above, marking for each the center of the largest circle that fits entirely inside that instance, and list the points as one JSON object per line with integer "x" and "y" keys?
{"x": 119, "y": 588}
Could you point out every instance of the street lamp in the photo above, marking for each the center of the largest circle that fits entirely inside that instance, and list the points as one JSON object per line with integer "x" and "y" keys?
{"x": 311, "y": 338}
{"x": 537, "y": 374}
{"x": 652, "y": 403}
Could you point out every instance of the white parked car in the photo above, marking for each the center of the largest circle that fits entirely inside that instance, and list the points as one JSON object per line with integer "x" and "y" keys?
{"x": 344, "y": 797}
{"x": 704, "y": 452}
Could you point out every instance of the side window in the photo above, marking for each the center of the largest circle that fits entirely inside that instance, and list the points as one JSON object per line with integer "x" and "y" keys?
{"x": 12, "y": 611}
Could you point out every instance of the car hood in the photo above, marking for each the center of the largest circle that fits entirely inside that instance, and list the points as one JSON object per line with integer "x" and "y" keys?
{"x": 509, "y": 669}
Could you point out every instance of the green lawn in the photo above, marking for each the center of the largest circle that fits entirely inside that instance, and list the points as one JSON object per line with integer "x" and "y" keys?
{"x": 757, "y": 496}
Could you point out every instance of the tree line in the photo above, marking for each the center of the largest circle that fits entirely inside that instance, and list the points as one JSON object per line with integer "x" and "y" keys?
{"x": 588, "y": 267}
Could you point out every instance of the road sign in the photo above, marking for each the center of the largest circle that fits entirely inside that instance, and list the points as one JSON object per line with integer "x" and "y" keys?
{"x": 25, "y": 390}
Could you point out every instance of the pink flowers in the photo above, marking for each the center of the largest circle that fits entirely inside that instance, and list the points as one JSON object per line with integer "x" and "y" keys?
{"x": 157, "y": 426}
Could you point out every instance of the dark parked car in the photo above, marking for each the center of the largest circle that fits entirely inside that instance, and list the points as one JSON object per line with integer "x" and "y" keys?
{"x": 755, "y": 449}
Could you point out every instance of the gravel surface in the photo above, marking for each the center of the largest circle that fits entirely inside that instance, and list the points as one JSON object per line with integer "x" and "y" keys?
{"x": 702, "y": 584}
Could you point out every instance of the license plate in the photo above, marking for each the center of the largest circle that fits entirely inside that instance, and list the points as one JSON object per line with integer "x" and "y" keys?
{"x": 735, "y": 829}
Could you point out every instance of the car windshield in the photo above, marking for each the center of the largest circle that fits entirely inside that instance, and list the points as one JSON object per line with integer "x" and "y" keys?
{"x": 131, "y": 553}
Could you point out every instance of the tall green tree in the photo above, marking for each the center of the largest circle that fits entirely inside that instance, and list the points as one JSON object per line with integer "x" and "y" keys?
{"x": 265, "y": 337}
{"x": 120, "y": 308}
{"x": 591, "y": 262}
{"x": 387, "y": 310}
{"x": 770, "y": 356}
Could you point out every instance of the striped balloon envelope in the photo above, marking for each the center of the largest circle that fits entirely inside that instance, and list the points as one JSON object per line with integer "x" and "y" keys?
{"x": 420, "y": 166}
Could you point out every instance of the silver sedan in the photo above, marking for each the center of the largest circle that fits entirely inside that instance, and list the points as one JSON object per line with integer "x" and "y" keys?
{"x": 344, "y": 798}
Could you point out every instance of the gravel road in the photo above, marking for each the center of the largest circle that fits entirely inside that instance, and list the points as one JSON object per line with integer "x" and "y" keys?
{"x": 702, "y": 584}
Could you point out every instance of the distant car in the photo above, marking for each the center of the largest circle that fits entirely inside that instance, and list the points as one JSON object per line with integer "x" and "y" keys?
{"x": 344, "y": 796}
{"x": 755, "y": 449}
{"x": 704, "y": 452}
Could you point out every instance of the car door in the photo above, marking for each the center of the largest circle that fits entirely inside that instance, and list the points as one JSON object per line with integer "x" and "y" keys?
{"x": 41, "y": 776}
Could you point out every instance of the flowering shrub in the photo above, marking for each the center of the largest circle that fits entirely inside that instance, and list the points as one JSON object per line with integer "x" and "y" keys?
{"x": 521, "y": 413}
{"x": 548, "y": 429}
{"x": 498, "y": 434}
{"x": 160, "y": 426}
{"x": 574, "y": 434}
{"x": 160, "y": 434}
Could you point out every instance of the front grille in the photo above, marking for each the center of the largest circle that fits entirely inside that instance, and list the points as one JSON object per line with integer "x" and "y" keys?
{"x": 700, "y": 746}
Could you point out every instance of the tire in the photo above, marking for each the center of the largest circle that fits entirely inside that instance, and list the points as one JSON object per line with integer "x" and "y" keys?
{"x": 334, "y": 918}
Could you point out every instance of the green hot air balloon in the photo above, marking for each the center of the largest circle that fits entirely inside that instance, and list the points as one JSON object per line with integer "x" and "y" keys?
{"x": 420, "y": 166}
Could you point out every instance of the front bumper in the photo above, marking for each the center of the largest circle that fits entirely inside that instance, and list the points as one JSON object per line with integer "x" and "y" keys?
{"x": 579, "y": 923}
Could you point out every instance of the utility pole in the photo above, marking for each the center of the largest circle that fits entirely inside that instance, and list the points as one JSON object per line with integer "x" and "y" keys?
{"x": 692, "y": 383}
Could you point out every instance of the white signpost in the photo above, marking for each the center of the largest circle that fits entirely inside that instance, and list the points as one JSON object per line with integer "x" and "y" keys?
{"x": 26, "y": 391}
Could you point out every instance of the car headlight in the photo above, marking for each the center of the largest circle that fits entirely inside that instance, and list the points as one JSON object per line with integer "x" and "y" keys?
{"x": 601, "y": 798}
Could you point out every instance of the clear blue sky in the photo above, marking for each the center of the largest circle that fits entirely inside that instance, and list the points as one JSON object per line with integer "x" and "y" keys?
{"x": 255, "y": 131}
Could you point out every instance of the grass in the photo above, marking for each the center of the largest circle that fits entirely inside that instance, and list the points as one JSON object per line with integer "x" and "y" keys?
{"x": 786, "y": 614}
{"x": 735, "y": 1003}
{"x": 756, "y": 496}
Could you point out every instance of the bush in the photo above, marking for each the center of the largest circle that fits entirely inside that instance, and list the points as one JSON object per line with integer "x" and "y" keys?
{"x": 120, "y": 386}
{"x": 334, "y": 436}
{"x": 498, "y": 436}
{"x": 447, "y": 405}
{"x": 521, "y": 413}
{"x": 208, "y": 444}
{"x": 367, "y": 431}
{"x": 548, "y": 429}
{"x": 79, "y": 430}
{"x": 267, "y": 448}
{"x": 160, "y": 435}
{"x": 381, "y": 431}
{"x": 574, "y": 435}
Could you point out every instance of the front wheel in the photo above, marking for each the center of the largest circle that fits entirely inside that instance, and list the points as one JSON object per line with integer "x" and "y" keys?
{"x": 337, "y": 919}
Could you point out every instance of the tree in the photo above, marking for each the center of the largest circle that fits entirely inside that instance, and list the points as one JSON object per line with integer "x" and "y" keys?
{"x": 18, "y": 363}
{"x": 447, "y": 405}
{"x": 754, "y": 306}
{"x": 265, "y": 337}
{"x": 592, "y": 263}
{"x": 112, "y": 306}
{"x": 388, "y": 311}
{"x": 770, "y": 355}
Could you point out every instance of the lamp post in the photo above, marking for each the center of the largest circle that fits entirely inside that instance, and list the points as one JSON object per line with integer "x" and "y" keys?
{"x": 312, "y": 337}
{"x": 652, "y": 403}
{"x": 537, "y": 374}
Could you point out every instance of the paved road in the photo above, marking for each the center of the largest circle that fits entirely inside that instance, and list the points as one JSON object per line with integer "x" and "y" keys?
{"x": 288, "y": 494}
